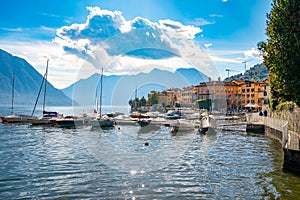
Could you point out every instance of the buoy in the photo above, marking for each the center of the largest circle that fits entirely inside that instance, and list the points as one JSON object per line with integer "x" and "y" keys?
{"x": 146, "y": 143}
{"x": 172, "y": 131}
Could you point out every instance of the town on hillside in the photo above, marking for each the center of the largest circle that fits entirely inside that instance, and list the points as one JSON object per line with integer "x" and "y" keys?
{"x": 228, "y": 96}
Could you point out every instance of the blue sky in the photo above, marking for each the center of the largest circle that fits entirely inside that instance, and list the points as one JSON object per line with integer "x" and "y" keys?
{"x": 69, "y": 32}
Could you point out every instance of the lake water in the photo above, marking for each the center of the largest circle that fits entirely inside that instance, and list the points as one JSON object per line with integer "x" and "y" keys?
{"x": 46, "y": 163}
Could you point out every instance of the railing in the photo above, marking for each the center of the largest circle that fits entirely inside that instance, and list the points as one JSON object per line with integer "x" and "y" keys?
{"x": 254, "y": 118}
{"x": 280, "y": 125}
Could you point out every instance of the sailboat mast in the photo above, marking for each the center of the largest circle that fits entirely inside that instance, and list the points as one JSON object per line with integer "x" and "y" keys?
{"x": 12, "y": 93}
{"x": 45, "y": 89}
{"x": 135, "y": 98}
{"x": 101, "y": 81}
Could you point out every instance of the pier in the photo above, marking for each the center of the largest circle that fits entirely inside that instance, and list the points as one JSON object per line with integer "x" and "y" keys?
{"x": 280, "y": 130}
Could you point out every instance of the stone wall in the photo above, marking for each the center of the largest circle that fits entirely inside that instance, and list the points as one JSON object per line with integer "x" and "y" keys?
{"x": 293, "y": 118}
{"x": 292, "y": 141}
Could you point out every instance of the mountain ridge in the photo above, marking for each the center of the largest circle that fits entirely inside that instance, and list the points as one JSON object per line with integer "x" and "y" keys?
{"x": 27, "y": 83}
{"x": 117, "y": 86}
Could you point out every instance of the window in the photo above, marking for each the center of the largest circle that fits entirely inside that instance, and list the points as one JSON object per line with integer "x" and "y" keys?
{"x": 252, "y": 90}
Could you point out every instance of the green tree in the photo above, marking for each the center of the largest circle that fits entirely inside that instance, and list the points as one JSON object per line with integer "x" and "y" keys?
{"x": 153, "y": 99}
{"x": 143, "y": 101}
{"x": 281, "y": 51}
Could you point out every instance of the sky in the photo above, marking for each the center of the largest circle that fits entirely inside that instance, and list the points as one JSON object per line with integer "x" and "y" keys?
{"x": 80, "y": 37}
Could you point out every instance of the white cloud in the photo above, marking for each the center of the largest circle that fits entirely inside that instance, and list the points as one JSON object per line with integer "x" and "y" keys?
{"x": 216, "y": 15}
{"x": 107, "y": 38}
{"x": 201, "y": 22}
{"x": 13, "y": 29}
{"x": 253, "y": 53}
{"x": 101, "y": 25}
{"x": 186, "y": 30}
{"x": 207, "y": 45}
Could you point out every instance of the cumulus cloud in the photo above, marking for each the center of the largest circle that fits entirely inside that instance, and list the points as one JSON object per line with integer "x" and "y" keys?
{"x": 102, "y": 25}
{"x": 108, "y": 39}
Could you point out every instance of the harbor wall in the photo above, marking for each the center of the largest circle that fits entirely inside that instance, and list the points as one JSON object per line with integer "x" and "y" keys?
{"x": 283, "y": 126}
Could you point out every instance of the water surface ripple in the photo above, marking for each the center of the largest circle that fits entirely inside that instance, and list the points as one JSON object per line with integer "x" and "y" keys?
{"x": 48, "y": 163}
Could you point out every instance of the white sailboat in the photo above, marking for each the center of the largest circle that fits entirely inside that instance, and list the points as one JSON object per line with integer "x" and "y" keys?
{"x": 101, "y": 121}
{"x": 16, "y": 118}
{"x": 49, "y": 117}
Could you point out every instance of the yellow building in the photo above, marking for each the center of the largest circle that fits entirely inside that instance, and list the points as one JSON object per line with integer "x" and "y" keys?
{"x": 236, "y": 93}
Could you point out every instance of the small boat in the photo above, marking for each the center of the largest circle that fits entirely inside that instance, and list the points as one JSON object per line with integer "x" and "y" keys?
{"x": 139, "y": 115}
{"x": 48, "y": 117}
{"x": 68, "y": 122}
{"x": 16, "y": 118}
{"x": 207, "y": 123}
{"x": 101, "y": 121}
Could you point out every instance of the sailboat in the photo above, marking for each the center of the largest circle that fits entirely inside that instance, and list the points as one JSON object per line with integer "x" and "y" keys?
{"x": 49, "y": 117}
{"x": 16, "y": 118}
{"x": 101, "y": 120}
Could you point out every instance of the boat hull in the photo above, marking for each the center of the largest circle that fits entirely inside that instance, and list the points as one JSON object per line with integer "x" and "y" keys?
{"x": 68, "y": 123}
{"x": 43, "y": 121}
{"x": 99, "y": 123}
{"x": 17, "y": 119}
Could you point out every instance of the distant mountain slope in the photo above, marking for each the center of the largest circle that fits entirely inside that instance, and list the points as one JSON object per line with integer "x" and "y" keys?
{"x": 117, "y": 90}
{"x": 27, "y": 83}
{"x": 257, "y": 72}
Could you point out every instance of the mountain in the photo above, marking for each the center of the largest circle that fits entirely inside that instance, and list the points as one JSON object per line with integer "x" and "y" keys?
{"x": 27, "y": 83}
{"x": 257, "y": 72}
{"x": 117, "y": 90}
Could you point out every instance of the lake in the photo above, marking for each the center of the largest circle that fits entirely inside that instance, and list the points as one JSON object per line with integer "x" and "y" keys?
{"x": 129, "y": 163}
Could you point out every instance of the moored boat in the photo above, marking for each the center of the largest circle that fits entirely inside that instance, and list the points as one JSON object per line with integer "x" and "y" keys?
{"x": 207, "y": 123}
{"x": 101, "y": 121}
{"x": 15, "y": 118}
{"x": 68, "y": 122}
{"x": 48, "y": 118}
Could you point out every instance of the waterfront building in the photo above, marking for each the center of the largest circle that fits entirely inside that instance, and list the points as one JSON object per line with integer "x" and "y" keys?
{"x": 166, "y": 98}
{"x": 189, "y": 95}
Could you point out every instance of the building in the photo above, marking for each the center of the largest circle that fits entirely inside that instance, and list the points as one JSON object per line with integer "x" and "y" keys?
{"x": 188, "y": 96}
{"x": 166, "y": 98}
{"x": 235, "y": 94}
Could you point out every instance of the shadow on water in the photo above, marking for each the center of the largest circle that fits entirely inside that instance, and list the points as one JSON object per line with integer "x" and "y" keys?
{"x": 284, "y": 182}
